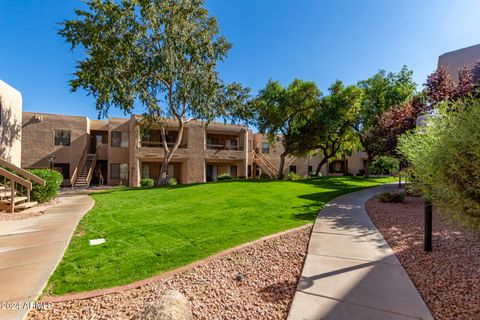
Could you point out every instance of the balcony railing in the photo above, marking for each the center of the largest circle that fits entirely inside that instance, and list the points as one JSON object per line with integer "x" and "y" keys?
{"x": 223, "y": 147}
{"x": 158, "y": 144}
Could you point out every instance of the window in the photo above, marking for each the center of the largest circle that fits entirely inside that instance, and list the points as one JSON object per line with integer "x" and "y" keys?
{"x": 212, "y": 141}
{"x": 62, "y": 137}
{"x": 145, "y": 171}
{"x": 233, "y": 171}
{"x": 120, "y": 139}
{"x": 63, "y": 168}
{"x": 119, "y": 171}
{"x": 293, "y": 169}
{"x": 265, "y": 147}
{"x": 231, "y": 144}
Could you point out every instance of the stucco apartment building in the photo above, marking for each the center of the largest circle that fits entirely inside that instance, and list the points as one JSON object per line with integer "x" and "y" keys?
{"x": 11, "y": 124}
{"x": 454, "y": 60}
{"x": 116, "y": 151}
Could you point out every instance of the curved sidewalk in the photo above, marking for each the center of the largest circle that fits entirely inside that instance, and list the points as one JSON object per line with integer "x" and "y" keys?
{"x": 350, "y": 271}
{"x": 31, "y": 249}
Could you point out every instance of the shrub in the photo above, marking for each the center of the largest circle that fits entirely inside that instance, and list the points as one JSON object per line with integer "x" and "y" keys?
{"x": 293, "y": 176}
{"x": 445, "y": 159}
{"x": 347, "y": 174}
{"x": 224, "y": 176}
{"x": 53, "y": 180}
{"x": 384, "y": 165}
{"x": 361, "y": 173}
{"x": 147, "y": 182}
{"x": 172, "y": 182}
{"x": 396, "y": 197}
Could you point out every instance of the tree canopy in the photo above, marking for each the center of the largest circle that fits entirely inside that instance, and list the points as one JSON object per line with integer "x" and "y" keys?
{"x": 381, "y": 92}
{"x": 330, "y": 123}
{"x": 161, "y": 54}
{"x": 280, "y": 110}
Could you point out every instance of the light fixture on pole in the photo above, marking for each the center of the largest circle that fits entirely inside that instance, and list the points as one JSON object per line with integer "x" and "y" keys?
{"x": 422, "y": 122}
{"x": 51, "y": 159}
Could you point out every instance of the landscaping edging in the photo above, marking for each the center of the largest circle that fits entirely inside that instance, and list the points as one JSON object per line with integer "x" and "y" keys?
{"x": 164, "y": 275}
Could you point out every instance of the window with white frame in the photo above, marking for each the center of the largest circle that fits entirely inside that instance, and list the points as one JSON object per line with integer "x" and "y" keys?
{"x": 119, "y": 171}
{"x": 120, "y": 139}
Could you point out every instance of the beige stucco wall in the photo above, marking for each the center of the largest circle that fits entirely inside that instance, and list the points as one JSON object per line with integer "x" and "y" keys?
{"x": 38, "y": 139}
{"x": 301, "y": 163}
{"x": 118, "y": 154}
{"x": 355, "y": 161}
{"x": 11, "y": 124}
{"x": 457, "y": 59}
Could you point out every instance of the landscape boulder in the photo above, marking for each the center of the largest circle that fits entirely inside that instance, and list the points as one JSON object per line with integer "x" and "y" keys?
{"x": 173, "y": 305}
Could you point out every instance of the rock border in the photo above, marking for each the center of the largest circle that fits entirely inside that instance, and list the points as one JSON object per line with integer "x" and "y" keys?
{"x": 164, "y": 275}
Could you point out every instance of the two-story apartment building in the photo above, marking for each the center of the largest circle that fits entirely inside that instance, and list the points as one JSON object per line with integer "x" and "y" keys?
{"x": 119, "y": 151}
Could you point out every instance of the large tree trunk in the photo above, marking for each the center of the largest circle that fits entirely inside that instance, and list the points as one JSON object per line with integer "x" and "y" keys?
{"x": 162, "y": 180}
{"x": 367, "y": 165}
{"x": 282, "y": 164}
{"x": 320, "y": 165}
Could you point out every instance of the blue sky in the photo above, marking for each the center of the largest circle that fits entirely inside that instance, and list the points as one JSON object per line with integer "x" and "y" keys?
{"x": 272, "y": 39}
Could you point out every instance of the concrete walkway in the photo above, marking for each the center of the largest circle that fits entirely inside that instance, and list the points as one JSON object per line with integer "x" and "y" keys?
{"x": 30, "y": 250}
{"x": 350, "y": 272}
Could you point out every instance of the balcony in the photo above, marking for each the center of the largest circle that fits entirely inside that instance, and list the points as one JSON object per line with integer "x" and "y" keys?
{"x": 223, "y": 147}
{"x": 159, "y": 144}
{"x": 153, "y": 139}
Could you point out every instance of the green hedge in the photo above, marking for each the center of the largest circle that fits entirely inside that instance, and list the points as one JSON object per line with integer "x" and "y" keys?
{"x": 53, "y": 180}
{"x": 445, "y": 159}
{"x": 147, "y": 182}
{"x": 395, "y": 197}
{"x": 224, "y": 176}
{"x": 293, "y": 176}
{"x": 385, "y": 165}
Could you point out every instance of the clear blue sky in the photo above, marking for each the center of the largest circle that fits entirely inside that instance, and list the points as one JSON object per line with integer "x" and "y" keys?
{"x": 278, "y": 39}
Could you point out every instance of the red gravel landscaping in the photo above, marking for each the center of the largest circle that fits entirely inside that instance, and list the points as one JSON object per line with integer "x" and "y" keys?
{"x": 256, "y": 282}
{"x": 448, "y": 278}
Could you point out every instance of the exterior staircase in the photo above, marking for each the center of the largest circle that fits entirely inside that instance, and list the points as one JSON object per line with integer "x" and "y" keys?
{"x": 15, "y": 187}
{"x": 86, "y": 172}
{"x": 264, "y": 164}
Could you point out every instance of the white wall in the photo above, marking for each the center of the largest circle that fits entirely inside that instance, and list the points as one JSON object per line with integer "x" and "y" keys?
{"x": 11, "y": 124}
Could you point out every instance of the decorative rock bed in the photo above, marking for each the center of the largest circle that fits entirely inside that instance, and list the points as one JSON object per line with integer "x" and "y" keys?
{"x": 255, "y": 282}
{"x": 448, "y": 278}
{"x": 32, "y": 212}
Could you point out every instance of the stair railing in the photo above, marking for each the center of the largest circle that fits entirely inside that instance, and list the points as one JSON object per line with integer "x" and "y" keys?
{"x": 263, "y": 163}
{"x": 80, "y": 163}
{"x": 14, "y": 179}
{"x": 92, "y": 167}
{"x": 272, "y": 167}
{"x": 22, "y": 172}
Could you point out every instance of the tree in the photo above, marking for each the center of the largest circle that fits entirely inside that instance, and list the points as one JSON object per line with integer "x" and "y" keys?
{"x": 390, "y": 125}
{"x": 439, "y": 87}
{"x": 381, "y": 92}
{"x": 330, "y": 123}
{"x": 280, "y": 110}
{"x": 161, "y": 54}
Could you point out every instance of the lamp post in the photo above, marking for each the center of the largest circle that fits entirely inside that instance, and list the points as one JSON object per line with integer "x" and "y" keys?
{"x": 428, "y": 209}
{"x": 51, "y": 159}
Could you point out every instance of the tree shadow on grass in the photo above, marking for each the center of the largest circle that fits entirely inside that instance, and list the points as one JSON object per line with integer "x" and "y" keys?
{"x": 318, "y": 200}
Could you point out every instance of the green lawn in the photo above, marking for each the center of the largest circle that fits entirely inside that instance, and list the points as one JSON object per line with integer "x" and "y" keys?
{"x": 150, "y": 231}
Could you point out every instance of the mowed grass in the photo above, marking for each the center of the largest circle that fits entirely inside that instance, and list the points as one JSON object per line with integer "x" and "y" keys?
{"x": 149, "y": 231}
